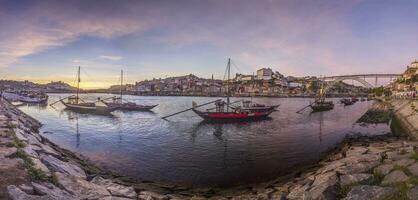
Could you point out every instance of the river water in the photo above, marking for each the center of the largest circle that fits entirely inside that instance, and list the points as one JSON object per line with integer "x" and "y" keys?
{"x": 182, "y": 150}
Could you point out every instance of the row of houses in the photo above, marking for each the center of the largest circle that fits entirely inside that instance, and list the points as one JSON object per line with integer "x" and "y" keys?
{"x": 52, "y": 87}
{"x": 407, "y": 85}
{"x": 264, "y": 82}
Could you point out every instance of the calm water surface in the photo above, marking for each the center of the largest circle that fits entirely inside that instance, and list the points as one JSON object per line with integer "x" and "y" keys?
{"x": 186, "y": 151}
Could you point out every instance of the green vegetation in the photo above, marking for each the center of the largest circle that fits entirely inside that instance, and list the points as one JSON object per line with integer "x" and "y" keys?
{"x": 342, "y": 191}
{"x": 396, "y": 128}
{"x": 34, "y": 173}
{"x": 401, "y": 191}
{"x": 414, "y": 155}
{"x": 380, "y": 91}
{"x": 404, "y": 169}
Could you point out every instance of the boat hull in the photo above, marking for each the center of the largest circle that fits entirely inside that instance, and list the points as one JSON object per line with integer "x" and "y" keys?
{"x": 232, "y": 116}
{"x": 131, "y": 107}
{"x": 89, "y": 109}
{"x": 322, "y": 107}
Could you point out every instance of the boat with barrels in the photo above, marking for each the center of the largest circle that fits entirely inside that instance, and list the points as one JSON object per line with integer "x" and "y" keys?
{"x": 226, "y": 111}
{"x": 121, "y": 104}
{"x": 75, "y": 103}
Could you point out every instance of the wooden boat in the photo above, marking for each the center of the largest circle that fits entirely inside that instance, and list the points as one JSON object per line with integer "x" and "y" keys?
{"x": 347, "y": 102}
{"x": 236, "y": 113}
{"x": 320, "y": 104}
{"x": 227, "y": 111}
{"x": 76, "y": 104}
{"x": 231, "y": 111}
{"x": 127, "y": 106}
{"x": 97, "y": 107}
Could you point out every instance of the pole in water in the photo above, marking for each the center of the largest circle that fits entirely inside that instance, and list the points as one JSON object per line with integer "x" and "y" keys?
{"x": 121, "y": 84}
{"x": 78, "y": 82}
{"x": 228, "y": 94}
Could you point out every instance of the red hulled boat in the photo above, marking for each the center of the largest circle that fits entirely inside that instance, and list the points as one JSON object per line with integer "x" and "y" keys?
{"x": 226, "y": 111}
{"x": 231, "y": 111}
{"x": 251, "y": 113}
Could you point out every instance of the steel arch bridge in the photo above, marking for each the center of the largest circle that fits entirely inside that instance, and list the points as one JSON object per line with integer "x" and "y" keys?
{"x": 361, "y": 78}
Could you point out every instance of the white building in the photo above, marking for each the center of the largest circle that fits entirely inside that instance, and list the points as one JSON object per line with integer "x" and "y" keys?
{"x": 264, "y": 74}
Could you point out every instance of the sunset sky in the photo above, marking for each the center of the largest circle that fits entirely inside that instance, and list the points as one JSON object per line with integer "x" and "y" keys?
{"x": 45, "y": 41}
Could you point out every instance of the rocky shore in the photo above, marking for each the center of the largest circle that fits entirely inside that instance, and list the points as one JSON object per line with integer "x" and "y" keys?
{"x": 33, "y": 168}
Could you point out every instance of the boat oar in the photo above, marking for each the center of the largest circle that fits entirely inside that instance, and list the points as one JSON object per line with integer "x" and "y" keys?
{"x": 60, "y": 100}
{"x": 304, "y": 108}
{"x": 189, "y": 109}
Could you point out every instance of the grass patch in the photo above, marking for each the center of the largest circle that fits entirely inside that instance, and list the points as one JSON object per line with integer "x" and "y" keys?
{"x": 401, "y": 168}
{"x": 396, "y": 128}
{"x": 34, "y": 173}
{"x": 376, "y": 179}
{"x": 401, "y": 191}
{"x": 342, "y": 191}
{"x": 414, "y": 155}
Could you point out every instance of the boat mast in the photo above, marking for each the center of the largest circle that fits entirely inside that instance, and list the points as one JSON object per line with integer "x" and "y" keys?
{"x": 121, "y": 84}
{"x": 78, "y": 83}
{"x": 228, "y": 94}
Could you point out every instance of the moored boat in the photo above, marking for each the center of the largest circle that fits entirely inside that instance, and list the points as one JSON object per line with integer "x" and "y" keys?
{"x": 320, "y": 103}
{"x": 127, "y": 106}
{"x": 226, "y": 111}
{"x": 75, "y": 103}
{"x": 347, "y": 102}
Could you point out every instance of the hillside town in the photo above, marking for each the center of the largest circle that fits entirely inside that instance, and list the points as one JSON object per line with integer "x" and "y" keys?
{"x": 407, "y": 85}
{"x": 264, "y": 82}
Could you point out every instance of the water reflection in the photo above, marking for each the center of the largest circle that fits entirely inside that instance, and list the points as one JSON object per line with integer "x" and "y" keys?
{"x": 187, "y": 151}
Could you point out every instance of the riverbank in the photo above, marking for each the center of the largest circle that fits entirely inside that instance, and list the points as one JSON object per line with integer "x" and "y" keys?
{"x": 38, "y": 169}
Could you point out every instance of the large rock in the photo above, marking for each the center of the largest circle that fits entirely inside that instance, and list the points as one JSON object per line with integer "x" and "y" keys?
{"x": 81, "y": 188}
{"x": 395, "y": 177}
{"x": 7, "y": 151}
{"x": 355, "y": 151}
{"x": 115, "y": 189}
{"x": 413, "y": 193}
{"x": 39, "y": 165}
{"x": 362, "y": 158}
{"x": 383, "y": 169}
{"x": 30, "y": 152}
{"x": 17, "y": 194}
{"x": 49, "y": 150}
{"x": 413, "y": 169}
{"x": 323, "y": 187}
{"x": 298, "y": 192}
{"x": 367, "y": 192}
{"x": 395, "y": 155}
{"x": 354, "y": 178}
{"x": 404, "y": 162}
{"x": 51, "y": 190}
{"x": 147, "y": 195}
{"x": 356, "y": 168}
{"x": 63, "y": 167}
{"x": 331, "y": 166}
